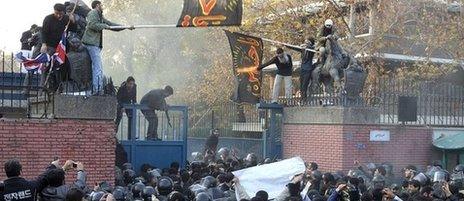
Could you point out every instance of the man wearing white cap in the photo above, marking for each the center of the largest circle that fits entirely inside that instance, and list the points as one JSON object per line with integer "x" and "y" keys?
{"x": 326, "y": 31}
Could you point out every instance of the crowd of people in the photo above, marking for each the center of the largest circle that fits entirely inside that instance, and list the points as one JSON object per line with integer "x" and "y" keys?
{"x": 210, "y": 177}
{"x": 83, "y": 28}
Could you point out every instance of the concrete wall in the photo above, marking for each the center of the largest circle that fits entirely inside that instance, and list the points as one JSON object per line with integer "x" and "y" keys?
{"x": 36, "y": 142}
{"x": 82, "y": 107}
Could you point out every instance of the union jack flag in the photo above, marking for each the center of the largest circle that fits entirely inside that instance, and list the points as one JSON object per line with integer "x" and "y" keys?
{"x": 38, "y": 63}
{"x": 60, "y": 53}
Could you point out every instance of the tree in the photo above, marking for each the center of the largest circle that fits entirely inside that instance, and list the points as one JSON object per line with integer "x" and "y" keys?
{"x": 197, "y": 62}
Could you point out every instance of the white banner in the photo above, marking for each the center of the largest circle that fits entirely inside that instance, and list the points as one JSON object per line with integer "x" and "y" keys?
{"x": 271, "y": 178}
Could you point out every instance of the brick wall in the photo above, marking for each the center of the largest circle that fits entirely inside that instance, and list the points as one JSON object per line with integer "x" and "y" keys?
{"x": 37, "y": 142}
{"x": 335, "y": 147}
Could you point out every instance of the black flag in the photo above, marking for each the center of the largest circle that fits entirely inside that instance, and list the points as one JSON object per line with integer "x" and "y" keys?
{"x": 247, "y": 54}
{"x": 204, "y": 13}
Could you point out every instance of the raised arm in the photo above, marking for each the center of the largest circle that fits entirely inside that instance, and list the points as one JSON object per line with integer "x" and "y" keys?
{"x": 81, "y": 176}
{"x": 272, "y": 61}
{"x": 41, "y": 181}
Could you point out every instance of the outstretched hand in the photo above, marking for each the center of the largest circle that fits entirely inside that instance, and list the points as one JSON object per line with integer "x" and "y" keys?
{"x": 297, "y": 178}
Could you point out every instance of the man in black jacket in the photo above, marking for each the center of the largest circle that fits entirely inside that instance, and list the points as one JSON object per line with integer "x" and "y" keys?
{"x": 211, "y": 144}
{"x": 18, "y": 188}
{"x": 127, "y": 94}
{"x": 56, "y": 188}
{"x": 155, "y": 100}
{"x": 26, "y": 38}
{"x": 284, "y": 64}
{"x": 52, "y": 30}
{"x": 307, "y": 66}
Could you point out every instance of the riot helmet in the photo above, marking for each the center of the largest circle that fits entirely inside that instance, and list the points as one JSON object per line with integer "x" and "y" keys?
{"x": 119, "y": 193}
{"x": 421, "y": 178}
{"x": 147, "y": 192}
{"x": 137, "y": 189}
{"x": 96, "y": 195}
{"x": 176, "y": 196}
{"x": 203, "y": 197}
{"x": 165, "y": 185}
{"x": 459, "y": 168}
{"x": 209, "y": 182}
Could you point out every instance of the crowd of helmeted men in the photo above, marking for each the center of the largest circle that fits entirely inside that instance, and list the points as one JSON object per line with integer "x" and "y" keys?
{"x": 210, "y": 178}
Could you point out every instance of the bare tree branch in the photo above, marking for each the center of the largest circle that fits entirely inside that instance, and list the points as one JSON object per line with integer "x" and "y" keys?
{"x": 340, "y": 10}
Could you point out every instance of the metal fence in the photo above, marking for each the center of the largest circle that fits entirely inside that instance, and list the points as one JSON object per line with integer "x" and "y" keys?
{"x": 18, "y": 89}
{"x": 165, "y": 132}
{"x": 30, "y": 94}
{"x": 232, "y": 119}
{"x": 243, "y": 146}
{"x": 438, "y": 103}
{"x": 241, "y": 126}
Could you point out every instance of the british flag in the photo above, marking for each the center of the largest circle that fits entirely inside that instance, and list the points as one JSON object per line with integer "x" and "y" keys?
{"x": 38, "y": 63}
{"x": 60, "y": 53}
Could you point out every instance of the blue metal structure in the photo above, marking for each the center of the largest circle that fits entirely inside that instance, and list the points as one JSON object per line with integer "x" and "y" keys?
{"x": 157, "y": 153}
{"x": 273, "y": 133}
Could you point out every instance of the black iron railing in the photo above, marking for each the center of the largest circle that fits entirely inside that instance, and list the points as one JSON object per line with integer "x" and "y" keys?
{"x": 438, "y": 103}
{"x": 30, "y": 94}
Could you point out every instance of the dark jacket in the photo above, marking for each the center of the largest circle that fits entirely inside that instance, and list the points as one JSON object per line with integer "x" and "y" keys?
{"x": 155, "y": 99}
{"x": 93, "y": 34}
{"x": 284, "y": 69}
{"x": 211, "y": 143}
{"x": 51, "y": 193}
{"x": 25, "y": 40}
{"x": 126, "y": 96}
{"x": 52, "y": 29}
{"x": 306, "y": 56}
{"x": 18, "y": 188}
{"x": 37, "y": 43}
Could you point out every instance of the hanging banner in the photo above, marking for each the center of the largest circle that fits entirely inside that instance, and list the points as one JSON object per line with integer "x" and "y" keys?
{"x": 205, "y": 13}
{"x": 247, "y": 54}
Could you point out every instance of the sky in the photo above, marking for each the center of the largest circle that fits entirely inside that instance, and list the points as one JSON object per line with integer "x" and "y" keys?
{"x": 17, "y": 16}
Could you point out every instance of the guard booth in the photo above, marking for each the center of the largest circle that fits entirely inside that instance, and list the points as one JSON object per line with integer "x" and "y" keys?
{"x": 451, "y": 148}
{"x": 173, "y": 147}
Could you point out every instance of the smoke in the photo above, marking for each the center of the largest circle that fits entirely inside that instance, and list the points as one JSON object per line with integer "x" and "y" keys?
{"x": 155, "y": 57}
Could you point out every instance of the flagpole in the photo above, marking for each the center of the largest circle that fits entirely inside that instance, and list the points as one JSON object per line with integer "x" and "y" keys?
{"x": 287, "y": 44}
{"x": 145, "y": 26}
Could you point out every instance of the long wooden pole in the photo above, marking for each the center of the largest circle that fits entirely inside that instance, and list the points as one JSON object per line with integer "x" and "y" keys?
{"x": 145, "y": 26}
{"x": 287, "y": 44}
